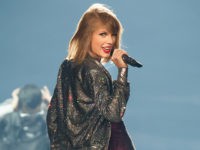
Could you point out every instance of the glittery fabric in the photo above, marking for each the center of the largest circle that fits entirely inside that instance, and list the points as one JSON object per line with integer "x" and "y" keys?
{"x": 84, "y": 103}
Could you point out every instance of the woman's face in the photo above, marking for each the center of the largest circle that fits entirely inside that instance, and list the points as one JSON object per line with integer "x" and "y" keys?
{"x": 102, "y": 42}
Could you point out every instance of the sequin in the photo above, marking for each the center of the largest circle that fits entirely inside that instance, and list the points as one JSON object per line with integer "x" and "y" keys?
{"x": 84, "y": 102}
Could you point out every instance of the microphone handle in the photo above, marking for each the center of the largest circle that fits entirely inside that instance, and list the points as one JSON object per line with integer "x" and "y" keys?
{"x": 130, "y": 61}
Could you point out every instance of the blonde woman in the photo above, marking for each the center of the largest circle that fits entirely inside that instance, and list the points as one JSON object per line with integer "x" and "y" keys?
{"x": 87, "y": 107}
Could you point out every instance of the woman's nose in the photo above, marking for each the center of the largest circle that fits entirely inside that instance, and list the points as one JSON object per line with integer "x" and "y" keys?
{"x": 111, "y": 39}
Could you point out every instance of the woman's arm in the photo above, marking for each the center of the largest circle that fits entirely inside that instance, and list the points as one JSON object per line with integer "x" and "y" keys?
{"x": 110, "y": 98}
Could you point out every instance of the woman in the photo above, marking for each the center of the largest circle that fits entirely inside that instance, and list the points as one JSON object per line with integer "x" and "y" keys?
{"x": 86, "y": 109}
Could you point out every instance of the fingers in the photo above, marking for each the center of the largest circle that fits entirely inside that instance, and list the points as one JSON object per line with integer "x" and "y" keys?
{"x": 117, "y": 58}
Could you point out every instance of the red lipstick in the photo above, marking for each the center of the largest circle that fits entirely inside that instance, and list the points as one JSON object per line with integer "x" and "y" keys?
{"x": 107, "y": 50}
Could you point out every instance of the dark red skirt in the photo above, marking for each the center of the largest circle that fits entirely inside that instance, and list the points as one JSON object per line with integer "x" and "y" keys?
{"x": 120, "y": 139}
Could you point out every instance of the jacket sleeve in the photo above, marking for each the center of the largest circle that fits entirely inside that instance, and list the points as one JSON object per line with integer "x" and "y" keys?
{"x": 54, "y": 114}
{"x": 110, "y": 98}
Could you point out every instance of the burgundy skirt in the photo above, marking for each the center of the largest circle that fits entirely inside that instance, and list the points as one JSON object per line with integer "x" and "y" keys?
{"x": 120, "y": 139}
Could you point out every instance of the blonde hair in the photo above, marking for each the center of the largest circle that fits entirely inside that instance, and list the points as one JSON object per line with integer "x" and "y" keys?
{"x": 80, "y": 43}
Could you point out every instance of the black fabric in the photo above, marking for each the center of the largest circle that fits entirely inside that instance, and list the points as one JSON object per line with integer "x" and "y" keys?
{"x": 84, "y": 102}
{"x": 120, "y": 139}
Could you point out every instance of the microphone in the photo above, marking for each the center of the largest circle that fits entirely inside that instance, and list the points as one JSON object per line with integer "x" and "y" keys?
{"x": 130, "y": 61}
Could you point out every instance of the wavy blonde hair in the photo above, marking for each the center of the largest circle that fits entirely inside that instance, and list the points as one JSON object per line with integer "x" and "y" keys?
{"x": 95, "y": 15}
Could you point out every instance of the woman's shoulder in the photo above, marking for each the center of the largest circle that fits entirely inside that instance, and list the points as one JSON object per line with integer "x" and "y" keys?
{"x": 93, "y": 66}
{"x": 89, "y": 66}
{"x": 95, "y": 70}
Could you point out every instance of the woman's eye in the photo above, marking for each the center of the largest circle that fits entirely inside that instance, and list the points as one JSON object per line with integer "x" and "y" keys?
{"x": 103, "y": 34}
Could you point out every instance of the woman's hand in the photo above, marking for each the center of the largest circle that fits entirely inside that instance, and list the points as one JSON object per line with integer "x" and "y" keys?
{"x": 117, "y": 58}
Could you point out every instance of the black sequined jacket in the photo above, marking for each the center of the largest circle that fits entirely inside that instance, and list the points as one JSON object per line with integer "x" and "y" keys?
{"x": 84, "y": 103}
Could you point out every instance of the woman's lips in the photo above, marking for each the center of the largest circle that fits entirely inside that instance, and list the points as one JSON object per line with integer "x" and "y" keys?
{"x": 107, "y": 51}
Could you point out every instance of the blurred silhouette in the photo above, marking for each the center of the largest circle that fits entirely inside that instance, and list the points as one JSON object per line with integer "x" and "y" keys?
{"x": 22, "y": 119}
